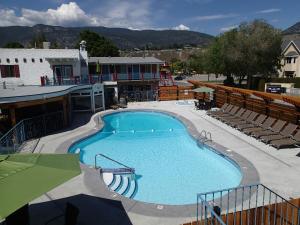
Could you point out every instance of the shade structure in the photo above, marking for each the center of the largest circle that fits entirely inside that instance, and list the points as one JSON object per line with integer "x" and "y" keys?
{"x": 203, "y": 90}
{"x": 24, "y": 177}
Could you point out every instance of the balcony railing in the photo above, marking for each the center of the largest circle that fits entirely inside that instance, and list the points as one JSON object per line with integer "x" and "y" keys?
{"x": 30, "y": 128}
{"x": 246, "y": 205}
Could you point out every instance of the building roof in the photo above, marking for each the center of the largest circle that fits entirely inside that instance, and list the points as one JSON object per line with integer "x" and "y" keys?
{"x": 287, "y": 43}
{"x": 30, "y": 93}
{"x": 125, "y": 60}
{"x": 43, "y": 53}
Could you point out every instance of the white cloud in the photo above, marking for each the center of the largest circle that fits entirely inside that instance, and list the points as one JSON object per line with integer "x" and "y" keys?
{"x": 215, "y": 17}
{"x": 225, "y": 29}
{"x": 66, "y": 15}
{"x": 114, "y": 13}
{"x": 266, "y": 11}
{"x": 181, "y": 27}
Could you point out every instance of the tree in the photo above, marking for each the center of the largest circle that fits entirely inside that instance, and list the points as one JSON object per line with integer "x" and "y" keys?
{"x": 37, "y": 41}
{"x": 13, "y": 45}
{"x": 252, "y": 48}
{"x": 97, "y": 45}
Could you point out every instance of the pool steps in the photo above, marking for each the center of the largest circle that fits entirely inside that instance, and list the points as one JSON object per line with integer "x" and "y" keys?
{"x": 120, "y": 183}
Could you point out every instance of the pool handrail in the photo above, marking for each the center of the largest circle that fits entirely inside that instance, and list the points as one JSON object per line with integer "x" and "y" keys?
{"x": 125, "y": 169}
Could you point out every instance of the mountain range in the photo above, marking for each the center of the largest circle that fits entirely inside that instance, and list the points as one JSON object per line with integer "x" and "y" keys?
{"x": 123, "y": 38}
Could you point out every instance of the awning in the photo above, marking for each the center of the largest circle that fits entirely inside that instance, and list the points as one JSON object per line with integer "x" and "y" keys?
{"x": 24, "y": 177}
{"x": 203, "y": 90}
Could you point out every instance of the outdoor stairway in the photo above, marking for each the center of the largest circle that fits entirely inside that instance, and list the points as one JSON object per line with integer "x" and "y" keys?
{"x": 123, "y": 184}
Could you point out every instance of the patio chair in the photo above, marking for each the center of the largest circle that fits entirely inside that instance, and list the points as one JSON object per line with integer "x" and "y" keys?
{"x": 222, "y": 109}
{"x": 273, "y": 130}
{"x": 235, "y": 116}
{"x": 218, "y": 113}
{"x": 264, "y": 126}
{"x": 232, "y": 112}
{"x": 242, "y": 117}
{"x": 256, "y": 123}
{"x": 285, "y": 133}
{"x": 287, "y": 142}
{"x": 249, "y": 119}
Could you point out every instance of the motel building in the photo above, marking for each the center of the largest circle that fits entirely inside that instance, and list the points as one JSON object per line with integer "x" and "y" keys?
{"x": 46, "y": 85}
{"x": 60, "y": 83}
{"x": 133, "y": 78}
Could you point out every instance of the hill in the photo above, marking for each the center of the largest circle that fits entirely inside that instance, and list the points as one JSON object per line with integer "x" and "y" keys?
{"x": 123, "y": 38}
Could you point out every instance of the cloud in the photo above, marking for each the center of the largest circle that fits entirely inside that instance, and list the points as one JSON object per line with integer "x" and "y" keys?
{"x": 114, "y": 13}
{"x": 181, "y": 27}
{"x": 225, "y": 29}
{"x": 266, "y": 11}
{"x": 66, "y": 15}
{"x": 215, "y": 17}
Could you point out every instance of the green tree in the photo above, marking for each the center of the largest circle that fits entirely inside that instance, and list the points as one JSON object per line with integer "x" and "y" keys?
{"x": 97, "y": 45}
{"x": 252, "y": 48}
{"x": 37, "y": 41}
{"x": 13, "y": 45}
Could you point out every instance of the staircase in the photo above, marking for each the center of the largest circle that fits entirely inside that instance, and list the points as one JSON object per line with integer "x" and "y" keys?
{"x": 123, "y": 184}
{"x": 166, "y": 79}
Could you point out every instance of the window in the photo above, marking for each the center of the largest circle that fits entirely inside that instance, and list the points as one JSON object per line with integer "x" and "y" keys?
{"x": 8, "y": 60}
{"x": 9, "y": 71}
{"x": 63, "y": 71}
{"x": 294, "y": 59}
{"x": 32, "y": 60}
{"x": 289, "y": 60}
{"x": 24, "y": 60}
{"x": 16, "y": 60}
{"x": 41, "y": 60}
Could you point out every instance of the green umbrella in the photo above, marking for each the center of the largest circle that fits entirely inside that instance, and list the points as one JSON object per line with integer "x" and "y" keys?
{"x": 203, "y": 90}
{"x": 24, "y": 177}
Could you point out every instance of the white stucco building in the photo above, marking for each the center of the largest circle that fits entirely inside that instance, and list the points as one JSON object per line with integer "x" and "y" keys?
{"x": 27, "y": 66}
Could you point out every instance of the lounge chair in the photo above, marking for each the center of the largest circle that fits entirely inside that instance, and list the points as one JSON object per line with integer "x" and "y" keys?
{"x": 273, "y": 130}
{"x": 256, "y": 123}
{"x": 285, "y": 133}
{"x": 243, "y": 117}
{"x": 227, "y": 110}
{"x": 221, "y": 110}
{"x": 265, "y": 126}
{"x": 249, "y": 119}
{"x": 287, "y": 142}
{"x": 235, "y": 116}
{"x": 232, "y": 112}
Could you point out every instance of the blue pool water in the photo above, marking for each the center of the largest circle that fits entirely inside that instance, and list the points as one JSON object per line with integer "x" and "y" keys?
{"x": 171, "y": 168}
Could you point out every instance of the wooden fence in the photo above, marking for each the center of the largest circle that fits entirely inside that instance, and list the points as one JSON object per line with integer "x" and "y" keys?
{"x": 274, "y": 214}
{"x": 175, "y": 93}
{"x": 278, "y": 106}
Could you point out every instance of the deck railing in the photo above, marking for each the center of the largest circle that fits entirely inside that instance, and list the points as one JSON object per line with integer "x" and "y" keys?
{"x": 246, "y": 205}
{"x": 30, "y": 128}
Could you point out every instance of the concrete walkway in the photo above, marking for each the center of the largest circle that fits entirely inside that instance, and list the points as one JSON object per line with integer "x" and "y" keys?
{"x": 278, "y": 170}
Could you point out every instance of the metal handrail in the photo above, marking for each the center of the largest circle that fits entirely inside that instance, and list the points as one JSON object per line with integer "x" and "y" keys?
{"x": 115, "y": 161}
{"x": 256, "y": 199}
{"x": 25, "y": 130}
{"x": 206, "y": 137}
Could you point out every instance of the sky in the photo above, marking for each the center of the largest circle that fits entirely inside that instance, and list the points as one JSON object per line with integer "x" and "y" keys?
{"x": 206, "y": 16}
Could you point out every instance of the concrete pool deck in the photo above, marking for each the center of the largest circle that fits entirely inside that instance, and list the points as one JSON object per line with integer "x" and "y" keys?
{"x": 278, "y": 170}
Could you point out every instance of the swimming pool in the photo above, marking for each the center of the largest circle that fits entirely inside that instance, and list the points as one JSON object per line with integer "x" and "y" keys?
{"x": 171, "y": 168}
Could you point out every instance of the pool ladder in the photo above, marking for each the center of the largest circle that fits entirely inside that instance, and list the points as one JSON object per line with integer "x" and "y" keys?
{"x": 205, "y": 136}
{"x": 124, "y": 170}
